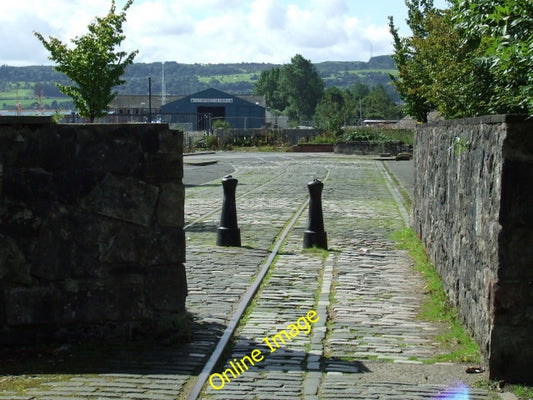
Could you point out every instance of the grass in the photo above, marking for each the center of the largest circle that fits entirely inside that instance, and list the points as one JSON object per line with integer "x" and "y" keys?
{"x": 27, "y": 98}
{"x": 454, "y": 339}
{"x": 233, "y": 78}
{"x": 523, "y": 392}
{"x": 19, "y": 384}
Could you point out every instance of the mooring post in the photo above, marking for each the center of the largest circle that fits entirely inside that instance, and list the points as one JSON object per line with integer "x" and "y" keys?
{"x": 314, "y": 235}
{"x": 228, "y": 232}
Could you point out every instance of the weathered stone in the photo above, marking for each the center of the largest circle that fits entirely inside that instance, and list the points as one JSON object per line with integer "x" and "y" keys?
{"x": 125, "y": 199}
{"x": 35, "y": 305}
{"x": 172, "y": 143}
{"x": 171, "y": 205}
{"x": 163, "y": 247}
{"x": 163, "y": 167}
{"x": 117, "y": 299}
{"x": 83, "y": 232}
{"x": 13, "y": 264}
{"x": 167, "y": 287}
{"x": 472, "y": 209}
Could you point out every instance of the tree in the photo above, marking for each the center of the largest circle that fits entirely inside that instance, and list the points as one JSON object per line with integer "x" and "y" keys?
{"x": 379, "y": 105}
{"x": 269, "y": 85}
{"x": 501, "y": 33}
{"x": 295, "y": 88}
{"x": 412, "y": 79}
{"x": 331, "y": 111}
{"x": 93, "y": 64}
{"x": 303, "y": 87}
{"x": 471, "y": 59}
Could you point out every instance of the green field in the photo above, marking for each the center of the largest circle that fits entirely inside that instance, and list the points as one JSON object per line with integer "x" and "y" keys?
{"x": 26, "y": 96}
{"x": 234, "y": 78}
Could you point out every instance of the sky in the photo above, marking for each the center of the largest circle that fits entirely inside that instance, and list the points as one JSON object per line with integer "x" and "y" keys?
{"x": 212, "y": 31}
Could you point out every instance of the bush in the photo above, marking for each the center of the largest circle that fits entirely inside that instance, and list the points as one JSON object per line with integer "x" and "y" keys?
{"x": 211, "y": 142}
{"x": 325, "y": 138}
{"x": 375, "y": 134}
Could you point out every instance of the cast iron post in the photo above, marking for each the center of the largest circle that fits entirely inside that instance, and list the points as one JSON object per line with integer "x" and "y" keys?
{"x": 314, "y": 235}
{"x": 228, "y": 232}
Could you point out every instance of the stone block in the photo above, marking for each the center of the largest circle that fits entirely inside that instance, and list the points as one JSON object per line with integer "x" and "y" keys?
{"x": 171, "y": 142}
{"x": 120, "y": 298}
{"x": 29, "y": 183}
{"x": 171, "y": 205}
{"x": 125, "y": 199}
{"x": 13, "y": 266}
{"x": 91, "y": 223}
{"x": 33, "y": 305}
{"x": 163, "y": 167}
{"x": 166, "y": 287}
{"x": 164, "y": 246}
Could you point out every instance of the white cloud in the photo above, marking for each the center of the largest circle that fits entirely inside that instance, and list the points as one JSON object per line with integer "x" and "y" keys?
{"x": 211, "y": 31}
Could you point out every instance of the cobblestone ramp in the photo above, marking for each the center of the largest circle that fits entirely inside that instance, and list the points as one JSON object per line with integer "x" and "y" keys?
{"x": 367, "y": 297}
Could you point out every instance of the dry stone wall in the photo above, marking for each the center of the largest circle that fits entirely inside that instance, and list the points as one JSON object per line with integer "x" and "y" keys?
{"x": 473, "y": 209}
{"x": 91, "y": 231}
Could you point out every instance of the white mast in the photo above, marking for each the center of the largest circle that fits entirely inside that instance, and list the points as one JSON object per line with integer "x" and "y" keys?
{"x": 163, "y": 86}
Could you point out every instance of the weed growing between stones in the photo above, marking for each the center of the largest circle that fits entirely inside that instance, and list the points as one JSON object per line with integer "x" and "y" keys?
{"x": 455, "y": 340}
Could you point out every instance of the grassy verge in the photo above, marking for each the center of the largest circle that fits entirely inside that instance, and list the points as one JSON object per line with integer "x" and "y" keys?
{"x": 454, "y": 339}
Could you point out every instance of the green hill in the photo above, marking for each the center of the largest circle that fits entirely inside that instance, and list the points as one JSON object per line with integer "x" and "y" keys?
{"x": 18, "y": 84}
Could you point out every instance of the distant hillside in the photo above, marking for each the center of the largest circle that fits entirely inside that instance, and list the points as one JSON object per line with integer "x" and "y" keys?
{"x": 190, "y": 78}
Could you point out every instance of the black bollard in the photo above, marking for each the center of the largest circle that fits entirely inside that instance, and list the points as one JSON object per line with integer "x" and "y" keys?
{"x": 314, "y": 235}
{"x": 228, "y": 232}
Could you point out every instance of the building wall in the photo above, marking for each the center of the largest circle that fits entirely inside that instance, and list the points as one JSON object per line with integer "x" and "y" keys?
{"x": 472, "y": 208}
{"x": 91, "y": 232}
{"x": 241, "y": 114}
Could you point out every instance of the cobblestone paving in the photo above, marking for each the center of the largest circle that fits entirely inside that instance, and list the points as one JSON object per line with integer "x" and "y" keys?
{"x": 367, "y": 297}
{"x": 364, "y": 291}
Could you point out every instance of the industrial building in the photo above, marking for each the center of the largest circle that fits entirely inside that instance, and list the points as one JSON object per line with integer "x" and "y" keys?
{"x": 203, "y": 108}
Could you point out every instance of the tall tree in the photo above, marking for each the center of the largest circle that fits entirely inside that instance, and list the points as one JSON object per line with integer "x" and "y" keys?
{"x": 471, "y": 59}
{"x": 379, "y": 105}
{"x": 412, "y": 79}
{"x": 269, "y": 85}
{"x": 331, "y": 111}
{"x": 93, "y": 63}
{"x": 303, "y": 87}
{"x": 501, "y": 33}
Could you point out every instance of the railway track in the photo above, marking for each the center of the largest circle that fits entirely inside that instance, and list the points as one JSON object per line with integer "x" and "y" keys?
{"x": 260, "y": 181}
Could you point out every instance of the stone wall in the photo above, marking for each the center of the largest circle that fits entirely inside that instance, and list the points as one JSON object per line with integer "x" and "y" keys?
{"x": 91, "y": 231}
{"x": 372, "y": 147}
{"x": 473, "y": 209}
{"x": 268, "y": 136}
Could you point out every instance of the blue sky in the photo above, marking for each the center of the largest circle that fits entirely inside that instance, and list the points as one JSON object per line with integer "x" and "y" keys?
{"x": 213, "y": 31}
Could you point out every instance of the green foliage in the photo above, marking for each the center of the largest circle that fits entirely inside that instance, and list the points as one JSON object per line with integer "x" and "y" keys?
{"x": 92, "y": 63}
{"x": 364, "y": 135}
{"x": 325, "y": 138}
{"x": 350, "y": 107}
{"x": 236, "y": 78}
{"x": 412, "y": 78}
{"x": 331, "y": 110}
{"x": 502, "y": 32}
{"x": 220, "y": 123}
{"x": 379, "y": 105}
{"x": 211, "y": 142}
{"x": 471, "y": 59}
{"x": 523, "y": 392}
{"x": 378, "y": 134}
{"x": 295, "y": 88}
{"x": 303, "y": 88}
{"x": 269, "y": 85}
